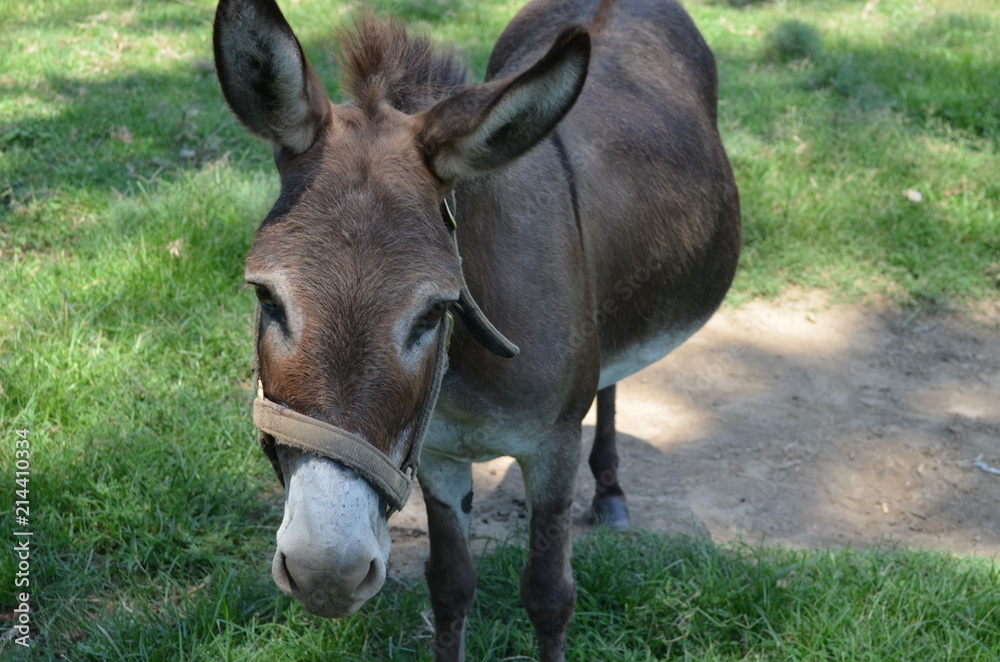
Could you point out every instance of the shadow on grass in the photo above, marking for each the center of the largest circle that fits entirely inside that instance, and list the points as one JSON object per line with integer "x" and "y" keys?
{"x": 127, "y": 135}
{"x": 935, "y": 71}
{"x": 158, "y": 127}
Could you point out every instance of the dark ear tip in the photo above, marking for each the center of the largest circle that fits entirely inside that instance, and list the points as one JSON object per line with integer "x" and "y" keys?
{"x": 574, "y": 36}
{"x": 574, "y": 31}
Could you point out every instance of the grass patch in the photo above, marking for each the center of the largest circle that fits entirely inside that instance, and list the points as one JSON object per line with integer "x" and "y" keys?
{"x": 641, "y": 597}
{"x": 793, "y": 40}
{"x": 826, "y": 147}
{"x": 129, "y": 195}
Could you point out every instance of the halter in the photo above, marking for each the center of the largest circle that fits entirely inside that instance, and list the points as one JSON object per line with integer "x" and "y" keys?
{"x": 277, "y": 424}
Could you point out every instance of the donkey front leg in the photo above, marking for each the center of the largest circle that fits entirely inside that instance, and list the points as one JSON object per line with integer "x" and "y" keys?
{"x": 450, "y": 572}
{"x": 548, "y": 590}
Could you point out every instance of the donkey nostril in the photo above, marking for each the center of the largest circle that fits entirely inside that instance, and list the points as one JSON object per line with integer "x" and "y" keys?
{"x": 288, "y": 573}
{"x": 372, "y": 582}
{"x": 282, "y": 575}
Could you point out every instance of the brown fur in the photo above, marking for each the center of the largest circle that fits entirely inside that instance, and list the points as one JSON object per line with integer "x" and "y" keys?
{"x": 340, "y": 373}
{"x": 583, "y": 244}
{"x": 382, "y": 63}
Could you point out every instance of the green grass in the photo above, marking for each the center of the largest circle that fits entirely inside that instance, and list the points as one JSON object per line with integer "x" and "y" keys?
{"x": 129, "y": 195}
{"x": 641, "y": 597}
{"x": 901, "y": 98}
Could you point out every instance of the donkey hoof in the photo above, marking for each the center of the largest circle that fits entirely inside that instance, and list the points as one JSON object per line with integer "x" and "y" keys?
{"x": 611, "y": 513}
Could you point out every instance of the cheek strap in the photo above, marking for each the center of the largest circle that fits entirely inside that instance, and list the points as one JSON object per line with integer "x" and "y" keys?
{"x": 478, "y": 324}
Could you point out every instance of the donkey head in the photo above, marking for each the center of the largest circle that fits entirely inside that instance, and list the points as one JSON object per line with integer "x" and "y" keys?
{"x": 354, "y": 268}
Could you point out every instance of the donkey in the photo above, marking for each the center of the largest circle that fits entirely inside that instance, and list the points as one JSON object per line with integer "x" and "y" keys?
{"x": 576, "y": 212}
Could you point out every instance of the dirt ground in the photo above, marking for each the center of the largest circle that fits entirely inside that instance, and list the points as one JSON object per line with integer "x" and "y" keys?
{"x": 800, "y": 423}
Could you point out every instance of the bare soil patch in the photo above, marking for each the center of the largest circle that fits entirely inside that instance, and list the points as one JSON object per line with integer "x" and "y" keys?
{"x": 798, "y": 423}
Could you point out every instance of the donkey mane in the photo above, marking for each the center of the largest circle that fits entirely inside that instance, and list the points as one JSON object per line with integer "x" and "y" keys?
{"x": 381, "y": 62}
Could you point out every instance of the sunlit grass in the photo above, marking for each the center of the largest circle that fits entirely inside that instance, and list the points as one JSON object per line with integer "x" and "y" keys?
{"x": 828, "y": 151}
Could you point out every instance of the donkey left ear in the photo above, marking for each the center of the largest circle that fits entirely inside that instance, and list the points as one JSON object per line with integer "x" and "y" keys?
{"x": 265, "y": 76}
{"x": 490, "y": 125}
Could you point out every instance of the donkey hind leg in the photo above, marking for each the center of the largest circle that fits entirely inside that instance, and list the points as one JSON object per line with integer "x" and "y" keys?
{"x": 450, "y": 572}
{"x": 548, "y": 590}
{"x": 610, "y": 508}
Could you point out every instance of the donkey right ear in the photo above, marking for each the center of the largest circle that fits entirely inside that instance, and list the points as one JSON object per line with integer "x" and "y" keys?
{"x": 265, "y": 76}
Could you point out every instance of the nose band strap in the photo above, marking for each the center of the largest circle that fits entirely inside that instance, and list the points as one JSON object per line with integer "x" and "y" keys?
{"x": 291, "y": 428}
{"x": 284, "y": 425}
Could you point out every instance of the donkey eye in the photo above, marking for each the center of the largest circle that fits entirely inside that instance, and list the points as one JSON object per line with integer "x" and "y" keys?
{"x": 433, "y": 316}
{"x": 266, "y": 299}
{"x": 429, "y": 321}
